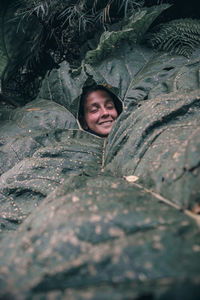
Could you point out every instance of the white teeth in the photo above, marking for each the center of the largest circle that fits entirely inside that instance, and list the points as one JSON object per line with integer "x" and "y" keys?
{"x": 105, "y": 122}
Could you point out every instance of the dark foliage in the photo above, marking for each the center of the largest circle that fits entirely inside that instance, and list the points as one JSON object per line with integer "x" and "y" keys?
{"x": 178, "y": 36}
{"x": 66, "y": 30}
{"x": 67, "y": 25}
{"x": 58, "y": 30}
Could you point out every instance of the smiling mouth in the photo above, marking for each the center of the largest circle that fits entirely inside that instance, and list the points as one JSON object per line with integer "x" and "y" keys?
{"x": 106, "y": 122}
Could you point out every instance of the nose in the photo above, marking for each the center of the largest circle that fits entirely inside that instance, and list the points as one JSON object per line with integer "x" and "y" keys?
{"x": 104, "y": 112}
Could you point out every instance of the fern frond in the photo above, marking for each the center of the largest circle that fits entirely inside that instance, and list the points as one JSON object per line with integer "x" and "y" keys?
{"x": 180, "y": 36}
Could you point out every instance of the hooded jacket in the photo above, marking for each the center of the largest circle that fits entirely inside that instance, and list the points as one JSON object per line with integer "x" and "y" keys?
{"x": 86, "y": 91}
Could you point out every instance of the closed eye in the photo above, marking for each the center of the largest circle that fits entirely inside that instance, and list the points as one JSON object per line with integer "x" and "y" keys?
{"x": 110, "y": 106}
{"x": 93, "y": 109}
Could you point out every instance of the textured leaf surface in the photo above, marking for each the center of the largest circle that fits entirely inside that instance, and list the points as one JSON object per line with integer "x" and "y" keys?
{"x": 158, "y": 140}
{"x": 104, "y": 232}
{"x": 62, "y": 87}
{"x": 154, "y": 136}
{"x": 17, "y": 134}
{"x": 61, "y": 154}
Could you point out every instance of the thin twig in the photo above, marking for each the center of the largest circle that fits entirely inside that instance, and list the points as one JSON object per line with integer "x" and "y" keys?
{"x": 168, "y": 202}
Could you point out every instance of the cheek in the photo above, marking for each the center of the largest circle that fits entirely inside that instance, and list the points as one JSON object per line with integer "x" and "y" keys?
{"x": 115, "y": 114}
{"x": 91, "y": 118}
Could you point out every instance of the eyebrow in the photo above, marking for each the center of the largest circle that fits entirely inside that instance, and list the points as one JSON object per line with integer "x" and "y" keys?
{"x": 96, "y": 104}
{"x": 107, "y": 101}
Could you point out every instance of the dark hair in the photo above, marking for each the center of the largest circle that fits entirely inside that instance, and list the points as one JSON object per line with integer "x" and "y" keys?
{"x": 94, "y": 88}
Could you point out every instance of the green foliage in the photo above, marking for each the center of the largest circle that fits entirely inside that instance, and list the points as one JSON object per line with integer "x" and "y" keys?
{"x": 49, "y": 32}
{"x": 17, "y": 78}
{"x": 180, "y": 36}
{"x": 108, "y": 41}
{"x": 133, "y": 31}
{"x": 67, "y": 21}
{"x": 79, "y": 11}
{"x": 4, "y": 55}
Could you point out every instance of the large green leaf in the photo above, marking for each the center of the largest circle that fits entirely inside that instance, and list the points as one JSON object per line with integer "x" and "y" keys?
{"x": 50, "y": 157}
{"x": 17, "y": 133}
{"x": 157, "y": 139}
{"x": 62, "y": 86}
{"x": 93, "y": 234}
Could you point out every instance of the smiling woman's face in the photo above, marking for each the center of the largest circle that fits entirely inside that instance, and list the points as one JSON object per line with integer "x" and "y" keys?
{"x": 100, "y": 112}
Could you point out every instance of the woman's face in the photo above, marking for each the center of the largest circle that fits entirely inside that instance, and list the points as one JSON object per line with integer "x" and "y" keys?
{"x": 100, "y": 112}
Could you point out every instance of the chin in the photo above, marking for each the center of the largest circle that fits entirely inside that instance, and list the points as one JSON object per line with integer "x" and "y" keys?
{"x": 104, "y": 134}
